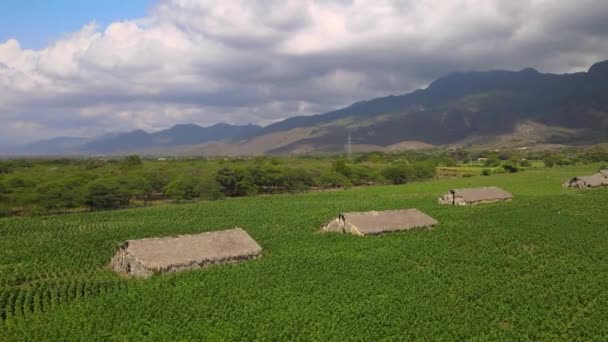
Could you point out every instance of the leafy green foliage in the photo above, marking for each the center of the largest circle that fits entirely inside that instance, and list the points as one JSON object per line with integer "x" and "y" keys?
{"x": 5, "y": 167}
{"x": 189, "y": 187}
{"x": 133, "y": 161}
{"x": 94, "y": 164}
{"x": 236, "y": 182}
{"x": 404, "y": 173}
{"x": 511, "y": 168}
{"x": 335, "y": 180}
{"x": 35, "y": 186}
{"x": 109, "y": 193}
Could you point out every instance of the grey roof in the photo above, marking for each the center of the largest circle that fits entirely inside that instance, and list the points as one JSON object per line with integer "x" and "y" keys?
{"x": 595, "y": 180}
{"x": 169, "y": 254}
{"x": 377, "y": 222}
{"x": 482, "y": 194}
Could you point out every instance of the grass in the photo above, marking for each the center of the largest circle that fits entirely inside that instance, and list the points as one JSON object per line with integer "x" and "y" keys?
{"x": 535, "y": 268}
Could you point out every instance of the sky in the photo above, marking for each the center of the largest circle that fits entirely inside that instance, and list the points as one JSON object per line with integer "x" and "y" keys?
{"x": 86, "y": 68}
{"x": 38, "y": 23}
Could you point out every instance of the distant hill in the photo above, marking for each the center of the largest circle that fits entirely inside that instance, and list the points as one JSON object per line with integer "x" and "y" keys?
{"x": 491, "y": 109}
{"x": 139, "y": 140}
{"x": 178, "y": 135}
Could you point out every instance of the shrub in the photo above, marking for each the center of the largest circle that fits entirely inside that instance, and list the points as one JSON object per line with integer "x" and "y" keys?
{"x": 525, "y": 163}
{"x": 486, "y": 172}
{"x": 403, "y": 173}
{"x": 297, "y": 179}
{"x": 492, "y": 162}
{"x": 363, "y": 175}
{"x": 399, "y": 174}
{"x": 510, "y": 168}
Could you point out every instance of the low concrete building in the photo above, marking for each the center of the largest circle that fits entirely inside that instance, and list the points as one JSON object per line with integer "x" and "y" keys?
{"x": 475, "y": 196}
{"x": 583, "y": 182}
{"x": 378, "y": 222}
{"x": 142, "y": 258}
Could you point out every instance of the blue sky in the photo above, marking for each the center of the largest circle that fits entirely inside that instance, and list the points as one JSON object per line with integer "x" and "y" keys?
{"x": 37, "y": 23}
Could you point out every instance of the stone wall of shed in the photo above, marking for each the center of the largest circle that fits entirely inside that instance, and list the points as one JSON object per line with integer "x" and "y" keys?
{"x": 125, "y": 263}
{"x": 447, "y": 198}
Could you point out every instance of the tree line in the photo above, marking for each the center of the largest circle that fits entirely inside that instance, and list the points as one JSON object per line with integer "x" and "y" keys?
{"x": 96, "y": 184}
{"x": 58, "y": 185}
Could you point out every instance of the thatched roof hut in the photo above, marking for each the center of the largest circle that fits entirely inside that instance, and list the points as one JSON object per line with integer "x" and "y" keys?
{"x": 378, "y": 222}
{"x": 142, "y": 258}
{"x": 475, "y": 196}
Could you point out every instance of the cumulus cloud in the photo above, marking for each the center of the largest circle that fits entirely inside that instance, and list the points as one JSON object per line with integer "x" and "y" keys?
{"x": 241, "y": 61}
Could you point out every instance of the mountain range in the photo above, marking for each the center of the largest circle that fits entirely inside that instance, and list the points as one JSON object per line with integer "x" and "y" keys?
{"x": 491, "y": 108}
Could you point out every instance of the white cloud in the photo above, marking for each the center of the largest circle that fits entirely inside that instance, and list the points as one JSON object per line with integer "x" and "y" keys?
{"x": 243, "y": 61}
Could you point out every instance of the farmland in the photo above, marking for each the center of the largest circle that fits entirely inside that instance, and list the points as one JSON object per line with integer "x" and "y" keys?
{"x": 534, "y": 268}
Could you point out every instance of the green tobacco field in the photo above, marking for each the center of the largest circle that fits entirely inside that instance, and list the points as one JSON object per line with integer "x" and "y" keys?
{"x": 535, "y": 268}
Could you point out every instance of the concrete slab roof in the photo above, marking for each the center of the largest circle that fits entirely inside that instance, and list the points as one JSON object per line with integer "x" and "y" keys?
{"x": 142, "y": 258}
{"x": 475, "y": 195}
{"x": 378, "y": 222}
{"x": 593, "y": 181}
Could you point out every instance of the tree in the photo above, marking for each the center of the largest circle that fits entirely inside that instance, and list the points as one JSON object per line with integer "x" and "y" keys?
{"x": 59, "y": 194}
{"x": 268, "y": 178}
{"x": 341, "y": 167}
{"x": 94, "y": 164}
{"x": 398, "y": 174}
{"x": 106, "y": 193}
{"x": 131, "y": 162}
{"x": 209, "y": 189}
{"x": 137, "y": 186}
{"x": 5, "y": 167}
{"x": 183, "y": 188}
{"x": 156, "y": 177}
{"x": 335, "y": 180}
{"x": 236, "y": 182}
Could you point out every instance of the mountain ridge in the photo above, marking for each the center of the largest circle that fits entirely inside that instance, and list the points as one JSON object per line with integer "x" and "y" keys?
{"x": 459, "y": 109}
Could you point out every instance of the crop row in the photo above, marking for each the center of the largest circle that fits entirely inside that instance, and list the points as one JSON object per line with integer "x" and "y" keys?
{"x": 43, "y": 297}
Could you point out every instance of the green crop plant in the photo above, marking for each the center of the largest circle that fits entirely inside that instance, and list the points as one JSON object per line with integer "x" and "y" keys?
{"x": 535, "y": 268}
